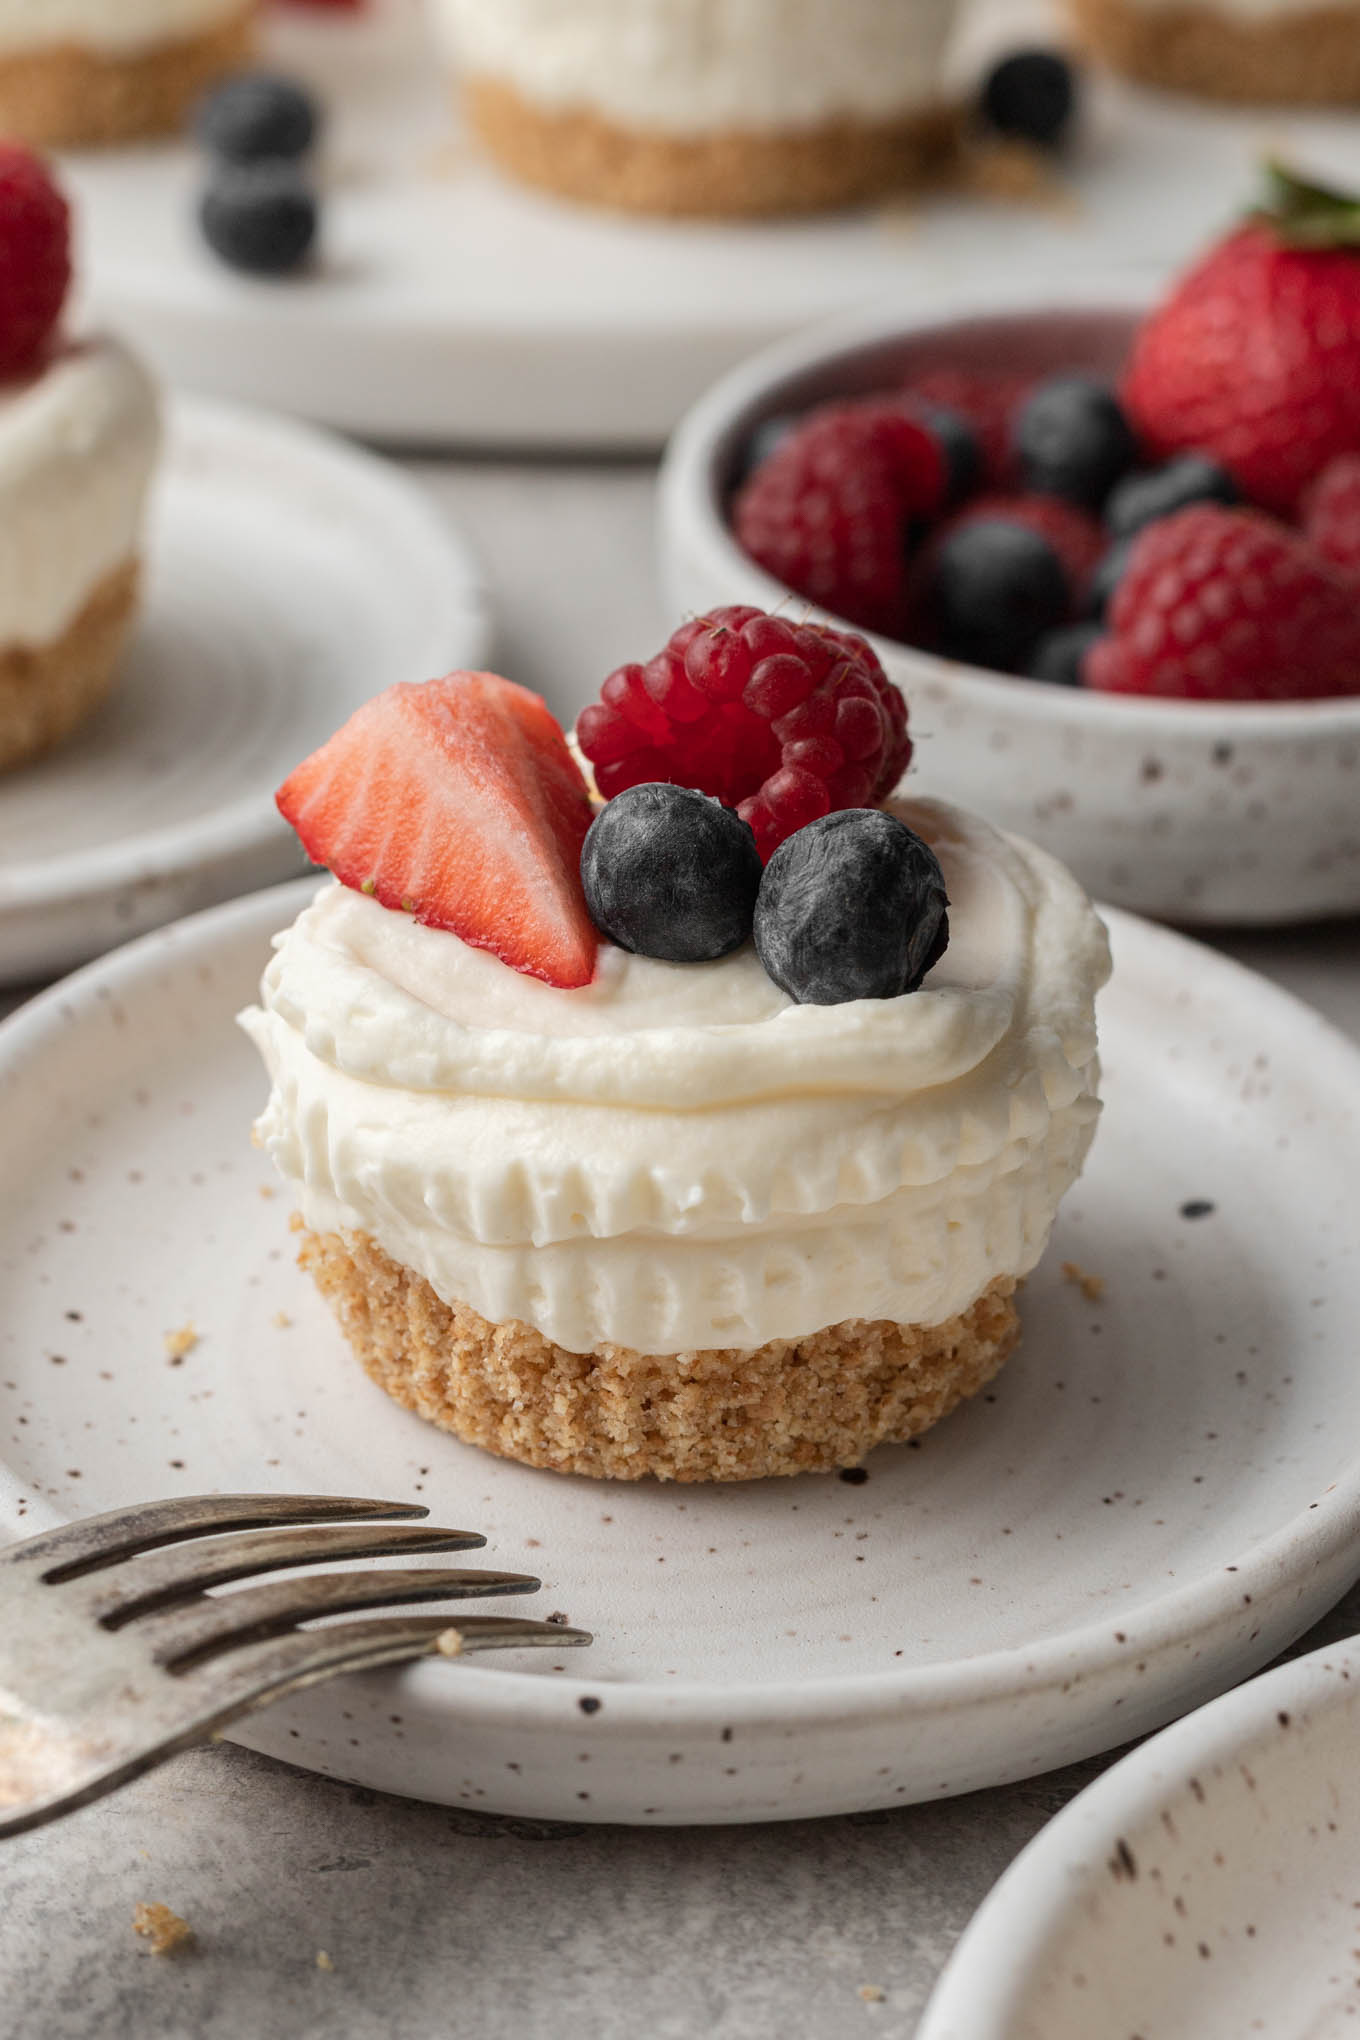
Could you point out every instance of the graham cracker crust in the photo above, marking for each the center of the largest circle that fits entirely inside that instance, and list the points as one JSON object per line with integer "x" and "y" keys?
{"x": 800, "y": 1406}
{"x": 1304, "y": 59}
{"x": 72, "y": 96}
{"x": 45, "y": 690}
{"x": 581, "y": 155}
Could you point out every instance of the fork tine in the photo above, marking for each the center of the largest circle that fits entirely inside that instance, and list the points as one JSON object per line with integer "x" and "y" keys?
{"x": 143, "y": 1584}
{"x": 179, "y": 1636}
{"x": 240, "y": 1680}
{"x": 118, "y": 1534}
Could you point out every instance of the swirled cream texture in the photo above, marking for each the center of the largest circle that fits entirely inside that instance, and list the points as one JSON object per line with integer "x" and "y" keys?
{"x": 694, "y": 67}
{"x": 677, "y": 1157}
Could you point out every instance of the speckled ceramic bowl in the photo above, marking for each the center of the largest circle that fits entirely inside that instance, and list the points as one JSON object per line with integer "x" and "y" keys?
{"x": 1204, "y": 1889}
{"x": 1195, "y": 813}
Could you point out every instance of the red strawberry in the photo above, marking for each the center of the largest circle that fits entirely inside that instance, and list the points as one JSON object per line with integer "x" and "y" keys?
{"x": 987, "y": 402}
{"x": 827, "y": 514}
{"x": 1331, "y": 514}
{"x": 35, "y": 258}
{"x": 457, "y": 801}
{"x": 1228, "y": 605}
{"x": 1255, "y": 356}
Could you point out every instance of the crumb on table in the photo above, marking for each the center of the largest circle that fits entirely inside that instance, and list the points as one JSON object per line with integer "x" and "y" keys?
{"x": 177, "y": 1344}
{"x": 323, "y": 1960}
{"x": 871, "y": 1994}
{"x": 165, "y": 1930}
{"x": 282, "y": 1320}
{"x": 1092, "y": 1287}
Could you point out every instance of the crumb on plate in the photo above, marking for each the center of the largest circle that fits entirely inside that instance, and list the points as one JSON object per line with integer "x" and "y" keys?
{"x": 165, "y": 1930}
{"x": 1092, "y": 1287}
{"x": 449, "y": 1643}
{"x": 177, "y": 1344}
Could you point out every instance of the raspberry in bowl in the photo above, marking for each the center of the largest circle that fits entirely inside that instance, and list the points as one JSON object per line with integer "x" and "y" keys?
{"x": 1127, "y": 619}
{"x": 631, "y": 1137}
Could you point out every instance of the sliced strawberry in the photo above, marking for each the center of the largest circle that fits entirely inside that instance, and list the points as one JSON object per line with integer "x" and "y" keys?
{"x": 459, "y": 802}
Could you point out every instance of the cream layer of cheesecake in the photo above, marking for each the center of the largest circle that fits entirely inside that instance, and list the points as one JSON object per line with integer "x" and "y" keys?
{"x": 679, "y": 1157}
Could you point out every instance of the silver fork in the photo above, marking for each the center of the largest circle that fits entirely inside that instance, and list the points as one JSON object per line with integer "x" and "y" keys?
{"x": 113, "y": 1654}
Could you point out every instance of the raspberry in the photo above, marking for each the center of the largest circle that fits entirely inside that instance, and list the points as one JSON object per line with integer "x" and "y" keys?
{"x": 1331, "y": 514}
{"x": 988, "y": 402}
{"x": 784, "y": 722}
{"x": 829, "y": 512}
{"x": 35, "y": 257}
{"x": 1227, "y": 605}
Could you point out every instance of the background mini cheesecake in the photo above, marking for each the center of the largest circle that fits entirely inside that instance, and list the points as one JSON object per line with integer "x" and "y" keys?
{"x": 706, "y": 106}
{"x": 1267, "y": 51}
{"x": 83, "y": 72}
{"x": 78, "y": 445}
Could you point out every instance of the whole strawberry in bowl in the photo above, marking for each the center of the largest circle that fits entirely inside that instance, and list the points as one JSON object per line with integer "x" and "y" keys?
{"x": 1125, "y": 598}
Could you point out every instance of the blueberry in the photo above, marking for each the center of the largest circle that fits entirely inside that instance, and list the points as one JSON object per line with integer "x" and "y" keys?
{"x": 851, "y": 907}
{"x": 1073, "y": 440}
{"x": 670, "y": 873}
{"x": 959, "y": 444}
{"x": 1031, "y": 95}
{"x": 255, "y": 117}
{"x": 994, "y": 588}
{"x": 1101, "y": 587}
{"x": 765, "y": 438}
{"x": 1143, "y": 497}
{"x": 1060, "y": 655}
{"x": 259, "y": 217}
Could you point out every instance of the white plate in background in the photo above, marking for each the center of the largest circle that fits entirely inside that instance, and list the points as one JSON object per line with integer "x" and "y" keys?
{"x": 288, "y": 577}
{"x": 1207, "y": 1888}
{"x": 453, "y": 305}
{"x": 1160, "y": 1491}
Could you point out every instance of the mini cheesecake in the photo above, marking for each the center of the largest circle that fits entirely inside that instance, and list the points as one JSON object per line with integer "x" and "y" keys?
{"x": 78, "y": 442}
{"x": 1265, "y": 51}
{"x": 664, "y": 1221}
{"x": 706, "y": 106}
{"x": 83, "y": 72}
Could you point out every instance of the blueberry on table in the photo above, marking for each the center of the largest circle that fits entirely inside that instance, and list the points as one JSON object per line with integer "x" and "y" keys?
{"x": 1100, "y": 589}
{"x": 851, "y": 907}
{"x": 256, "y": 117}
{"x": 259, "y": 217}
{"x": 1141, "y": 498}
{"x": 1030, "y": 96}
{"x": 1060, "y": 655}
{"x": 1072, "y": 439}
{"x": 671, "y": 873}
{"x": 993, "y": 588}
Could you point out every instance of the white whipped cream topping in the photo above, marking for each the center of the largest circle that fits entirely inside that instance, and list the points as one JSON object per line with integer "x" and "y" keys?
{"x": 78, "y": 442}
{"x": 690, "y": 67}
{"x": 677, "y": 1157}
{"x": 109, "y": 26}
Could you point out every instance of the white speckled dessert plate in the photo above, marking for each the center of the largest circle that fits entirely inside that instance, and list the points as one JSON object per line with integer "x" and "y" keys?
{"x": 1204, "y": 1889}
{"x": 288, "y": 577}
{"x": 1159, "y": 1493}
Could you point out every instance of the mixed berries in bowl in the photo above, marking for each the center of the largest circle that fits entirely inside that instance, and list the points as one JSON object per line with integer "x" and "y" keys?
{"x": 1113, "y": 554}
